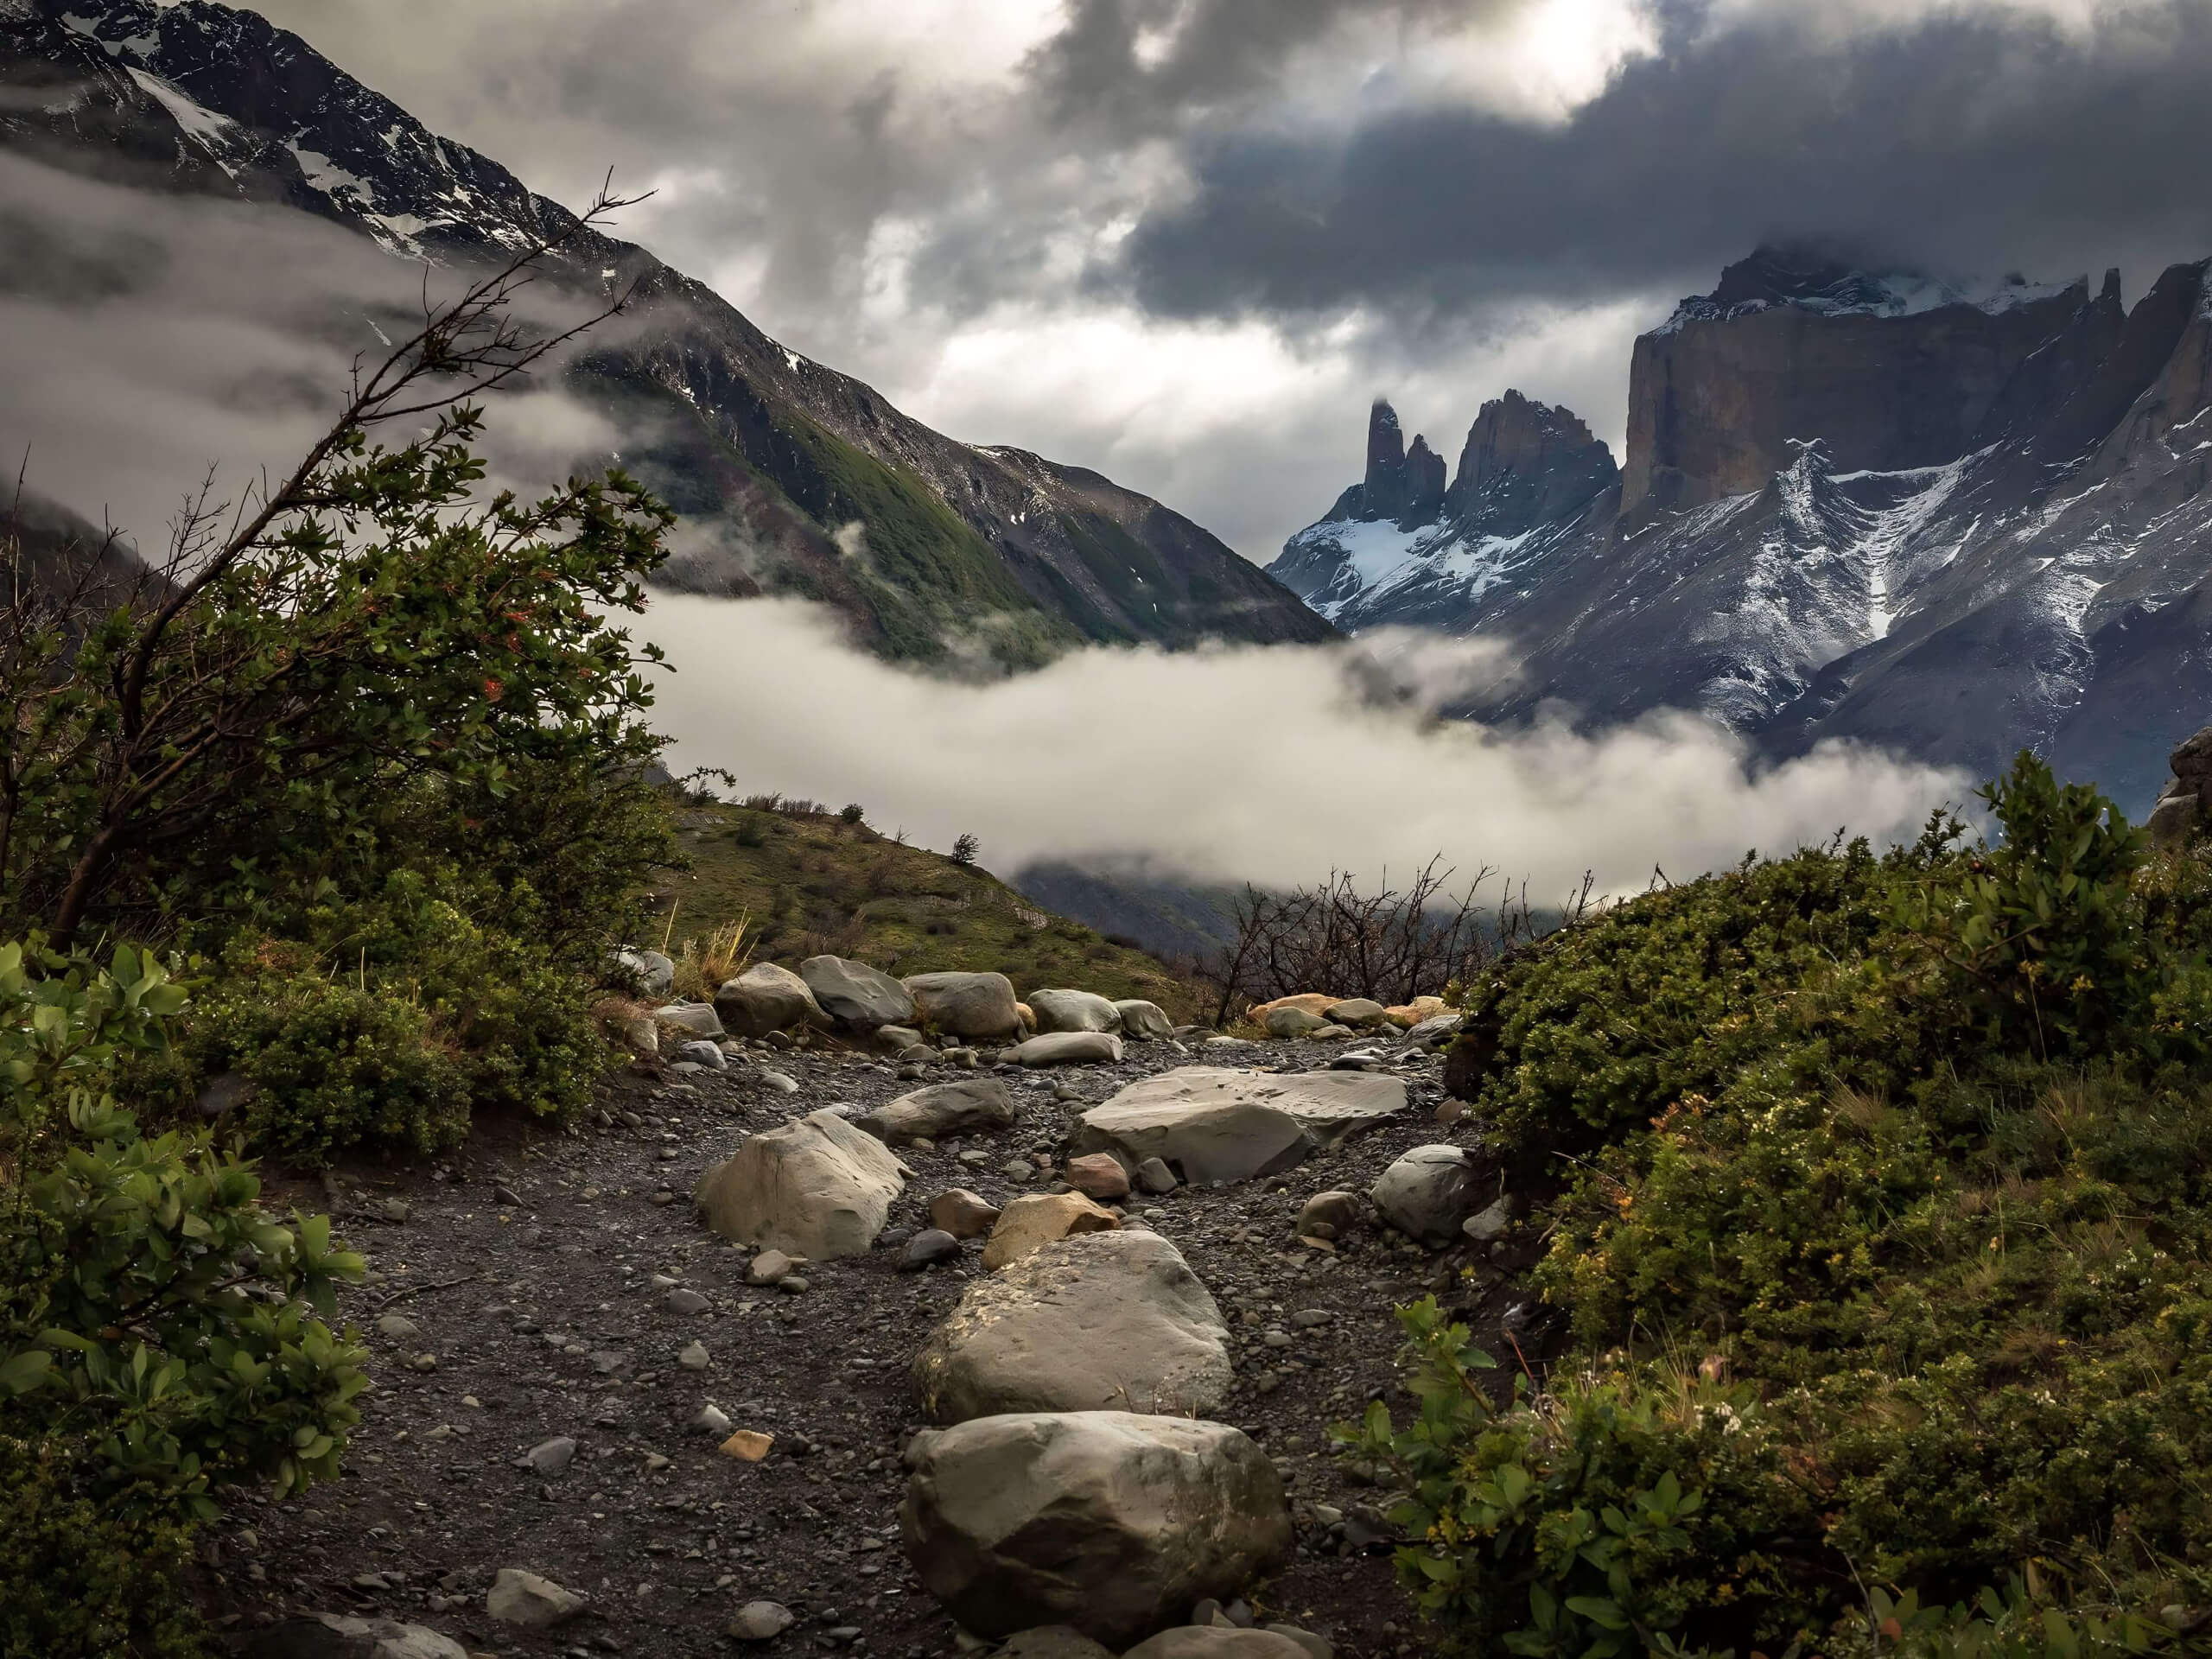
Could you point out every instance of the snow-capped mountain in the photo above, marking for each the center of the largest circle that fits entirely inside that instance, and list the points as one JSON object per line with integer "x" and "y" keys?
{"x": 772, "y": 458}
{"x": 1855, "y": 504}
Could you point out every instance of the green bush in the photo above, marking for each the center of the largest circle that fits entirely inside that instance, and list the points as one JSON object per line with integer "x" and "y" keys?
{"x": 401, "y": 1018}
{"x": 161, "y": 1338}
{"x": 1918, "y": 1150}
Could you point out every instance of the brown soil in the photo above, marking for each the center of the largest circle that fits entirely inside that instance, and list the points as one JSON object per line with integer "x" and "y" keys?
{"x": 541, "y": 1319}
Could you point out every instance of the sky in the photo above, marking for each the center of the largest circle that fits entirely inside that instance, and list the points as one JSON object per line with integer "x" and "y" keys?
{"x": 1185, "y": 242}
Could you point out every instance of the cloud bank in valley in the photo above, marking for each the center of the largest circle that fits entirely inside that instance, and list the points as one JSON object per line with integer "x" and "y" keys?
{"x": 1271, "y": 765}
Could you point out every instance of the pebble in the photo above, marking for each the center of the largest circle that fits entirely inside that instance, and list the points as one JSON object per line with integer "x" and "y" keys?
{"x": 712, "y": 1420}
{"x": 552, "y": 1456}
{"x": 1018, "y": 1169}
{"x": 685, "y": 1302}
{"x": 792, "y": 1284}
{"x": 1155, "y": 1177}
{"x": 769, "y": 1267}
{"x": 399, "y": 1327}
{"x": 781, "y": 1082}
{"x": 693, "y": 1356}
{"x": 761, "y": 1621}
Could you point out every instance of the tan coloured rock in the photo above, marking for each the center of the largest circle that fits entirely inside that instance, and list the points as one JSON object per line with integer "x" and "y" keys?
{"x": 765, "y": 998}
{"x": 1313, "y": 1003}
{"x": 1099, "y": 1175}
{"x": 816, "y": 1186}
{"x": 962, "y": 1213}
{"x": 1038, "y": 1219}
{"x": 1217, "y": 1642}
{"x": 979, "y": 1005}
{"x": 1407, "y": 1015}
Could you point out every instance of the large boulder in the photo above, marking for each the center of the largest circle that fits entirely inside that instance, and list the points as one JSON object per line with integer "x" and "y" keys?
{"x": 855, "y": 995}
{"x": 1037, "y": 1219}
{"x": 1215, "y": 1642}
{"x": 1112, "y": 1522}
{"x": 765, "y": 998}
{"x": 1068, "y": 1048}
{"x": 1146, "y": 1021}
{"x": 943, "y": 1108}
{"x": 1073, "y": 1011}
{"x": 1433, "y": 1032}
{"x": 345, "y": 1636}
{"x": 816, "y": 1186}
{"x": 1216, "y": 1123}
{"x": 980, "y": 1006}
{"x": 1293, "y": 1022}
{"x": 1100, "y": 1321}
{"x": 1427, "y": 1193}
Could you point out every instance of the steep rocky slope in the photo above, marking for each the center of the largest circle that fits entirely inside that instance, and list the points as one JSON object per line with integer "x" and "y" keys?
{"x": 1856, "y": 506}
{"x": 793, "y": 477}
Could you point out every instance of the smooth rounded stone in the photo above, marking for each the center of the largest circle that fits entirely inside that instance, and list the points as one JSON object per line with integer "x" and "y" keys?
{"x": 1358, "y": 1059}
{"x": 1052, "y": 1642}
{"x": 1340, "y": 1212}
{"x": 1099, "y": 1175}
{"x": 1039, "y": 1218}
{"x": 782, "y": 1082}
{"x": 712, "y": 1420}
{"x": 962, "y": 1213}
{"x": 896, "y": 1039}
{"x": 1361, "y": 1011}
{"x": 976, "y": 1006}
{"x": 1216, "y": 1123}
{"x": 855, "y": 995}
{"x": 700, "y": 1051}
{"x": 1148, "y": 1022}
{"x": 685, "y": 1301}
{"x": 526, "y": 1600}
{"x": 1433, "y": 1032}
{"x": 1217, "y": 1642}
{"x": 341, "y": 1635}
{"x": 551, "y": 1457}
{"x": 1488, "y": 1226}
{"x": 1331, "y": 1032}
{"x": 1111, "y": 1523}
{"x": 1155, "y": 1177}
{"x": 693, "y": 1356}
{"x": 1293, "y": 1022}
{"x": 932, "y": 1245}
{"x": 761, "y": 1621}
{"x": 1068, "y": 1048}
{"x": 697, "y": 1018}
{"x": 961, "y": 1106}
{"x": 1105, "y": 1320}
{"x": 1427, "y": 1194}
{"x": 815, "y": 1187}
{"x": 1313, "y": 1003}
{"x": 765, "y": 998}
{"x": 768, "y": 1267}
{"x": 1066, "y": 1010}
{"x": 652, "y": 972}
{"x": 399, "y": 1327}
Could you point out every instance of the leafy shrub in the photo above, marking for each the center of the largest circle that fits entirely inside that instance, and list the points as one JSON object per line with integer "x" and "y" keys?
{"x": 162, "y": 1338}
{"x": 853, "y": 812}
{"x": 966, "y": 849}
{"x": 401, "y": 1018}
{"x": 1919, "y": 1149}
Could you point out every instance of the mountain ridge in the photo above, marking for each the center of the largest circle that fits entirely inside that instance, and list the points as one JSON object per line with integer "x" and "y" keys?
{"x": 772, "y": 457}
{"x": 2025, "y": 561}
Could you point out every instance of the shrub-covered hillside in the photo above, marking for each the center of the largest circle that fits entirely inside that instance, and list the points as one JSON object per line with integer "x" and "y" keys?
{"x": 807, "y": 881}
{"x": 1877, "y": 1200}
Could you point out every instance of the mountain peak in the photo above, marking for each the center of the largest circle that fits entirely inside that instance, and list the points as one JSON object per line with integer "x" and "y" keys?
{"x": 1825, "y": 281}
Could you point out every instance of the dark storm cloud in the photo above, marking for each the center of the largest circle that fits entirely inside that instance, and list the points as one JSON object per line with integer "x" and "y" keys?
{"x": 1966, "y": 144}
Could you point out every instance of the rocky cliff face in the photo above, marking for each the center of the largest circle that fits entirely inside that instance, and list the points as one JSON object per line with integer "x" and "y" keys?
{"x": 791, "y": 476}
{"x": 1858, "y": 506}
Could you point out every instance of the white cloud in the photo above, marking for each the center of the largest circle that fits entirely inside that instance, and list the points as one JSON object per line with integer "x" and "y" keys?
{"x": 1272, "y": 765}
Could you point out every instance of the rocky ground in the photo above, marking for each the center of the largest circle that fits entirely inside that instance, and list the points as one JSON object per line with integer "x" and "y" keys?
{"x": 544, "y": 1288}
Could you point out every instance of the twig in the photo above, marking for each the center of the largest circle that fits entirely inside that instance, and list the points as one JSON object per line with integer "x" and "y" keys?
{"x": 417, "y": 1290}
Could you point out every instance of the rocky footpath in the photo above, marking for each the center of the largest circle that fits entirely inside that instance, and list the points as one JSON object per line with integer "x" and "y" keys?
{"x": 801, "y": 1345}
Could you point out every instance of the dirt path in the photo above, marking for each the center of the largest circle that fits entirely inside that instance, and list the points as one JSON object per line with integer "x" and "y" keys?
{"x": 533, "y": 1273}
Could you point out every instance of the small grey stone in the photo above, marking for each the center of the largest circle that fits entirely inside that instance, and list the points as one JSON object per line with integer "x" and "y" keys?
{"x": 524, "y": 1598}
{"x": 1154, "y": 1177}
{"x": 552, "y": 1456}
{"x": 693, "y": 1356}
{"x": 1488, "y": 1225}
{"x": 780, "y": 1082}
{"x": 925, "y": 1247}
{"x": 792, "y": 1284}
{"x": 1018, "y": 1169}
{"x": 685, "y": 1301}
{"x": 507, "y": 1196}
{"x": 761, "y": 1621}
{"x": 399, "y": 1327}
{"x": 712, "y": 1420}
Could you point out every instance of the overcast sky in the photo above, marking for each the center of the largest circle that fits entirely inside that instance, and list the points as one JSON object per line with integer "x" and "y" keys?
{"x": 1185, "y": 241}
